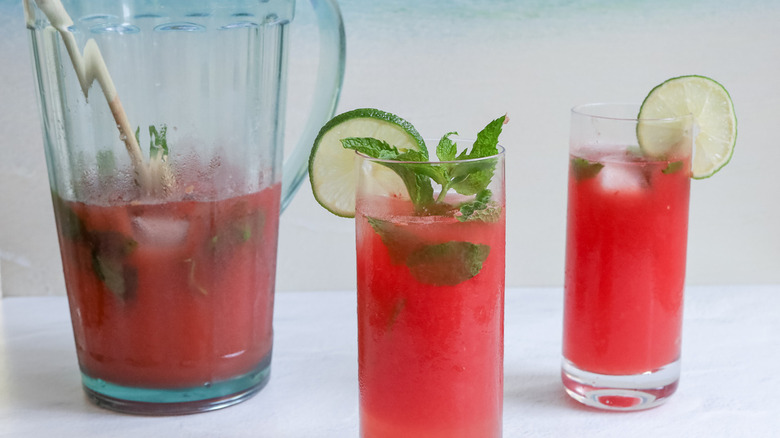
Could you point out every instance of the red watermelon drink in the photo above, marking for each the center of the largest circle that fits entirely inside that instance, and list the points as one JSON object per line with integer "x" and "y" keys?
{"x": 171, "y": 302}
{"x": 620, "y": 238}
{"x": 627, "y": 231}
{"x": 430, "y": 341}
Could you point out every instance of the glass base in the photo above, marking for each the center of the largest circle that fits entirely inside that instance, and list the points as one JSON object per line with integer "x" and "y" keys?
{"x": 621, "y": 392}
{"x": 148, "y": 401}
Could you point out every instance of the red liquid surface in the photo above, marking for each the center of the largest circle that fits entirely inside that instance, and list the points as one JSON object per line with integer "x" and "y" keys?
{"x": 171, "y": 295}
{"x": 430, "y": 356}
{"x": 625, "y": 265}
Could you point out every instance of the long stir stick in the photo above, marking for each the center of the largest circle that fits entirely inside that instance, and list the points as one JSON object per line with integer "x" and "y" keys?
{"x": 90, "y": 66}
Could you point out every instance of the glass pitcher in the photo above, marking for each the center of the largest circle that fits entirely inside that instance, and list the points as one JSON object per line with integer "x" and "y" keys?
{"x": 163, "y": 129}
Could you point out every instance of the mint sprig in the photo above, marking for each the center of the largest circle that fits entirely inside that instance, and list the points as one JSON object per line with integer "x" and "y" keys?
{"x": 467, "y": 178}
{"x": 158, "y": 141}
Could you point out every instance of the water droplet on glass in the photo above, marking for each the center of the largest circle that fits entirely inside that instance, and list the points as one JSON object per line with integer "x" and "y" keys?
{"x": 271, "y": 18}
{"x": 239, "y": 25}
{"x": 183, "y": 26}
{"x": 140, "y": 16}
{"x": 98, "y": 18}
{"x": 115, "y": 28}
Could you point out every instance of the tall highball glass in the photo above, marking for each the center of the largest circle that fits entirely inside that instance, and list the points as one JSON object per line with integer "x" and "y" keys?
{"x": 627, "y": 233}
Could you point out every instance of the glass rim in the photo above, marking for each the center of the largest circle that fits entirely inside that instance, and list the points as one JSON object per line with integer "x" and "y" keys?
{"x": 501, "y": 151}
{"x": 580, "y": 110}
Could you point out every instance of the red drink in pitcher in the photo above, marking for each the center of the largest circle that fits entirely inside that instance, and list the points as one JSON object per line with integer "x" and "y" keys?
{"x": 171, "y": 295}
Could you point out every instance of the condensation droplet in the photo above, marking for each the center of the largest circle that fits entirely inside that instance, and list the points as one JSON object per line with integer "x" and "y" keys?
{"x": 147, "y": 15}
{"x": 182, "y": 26}
{"x": 122, "y": 29}
{"x": 98, "y": 18}
{"x": 239, "y": 25}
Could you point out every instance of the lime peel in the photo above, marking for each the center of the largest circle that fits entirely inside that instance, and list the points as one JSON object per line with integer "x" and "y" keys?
{"x": 713, "y": 112}
{"x": 332, "y": 167}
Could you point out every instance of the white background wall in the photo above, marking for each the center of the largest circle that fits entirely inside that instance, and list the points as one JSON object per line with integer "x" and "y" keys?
{"x": 455, "y": 65}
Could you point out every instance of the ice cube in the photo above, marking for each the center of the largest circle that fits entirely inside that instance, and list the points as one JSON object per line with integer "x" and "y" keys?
{"x": 160, "y": 230}
{"x": 620, "y": 177}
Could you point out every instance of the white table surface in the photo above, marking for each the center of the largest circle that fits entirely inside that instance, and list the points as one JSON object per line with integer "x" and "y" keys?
{"x": 730, "y": 384}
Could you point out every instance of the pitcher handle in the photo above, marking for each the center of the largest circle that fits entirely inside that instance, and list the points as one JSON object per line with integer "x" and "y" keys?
{"x": 330, "y": 76}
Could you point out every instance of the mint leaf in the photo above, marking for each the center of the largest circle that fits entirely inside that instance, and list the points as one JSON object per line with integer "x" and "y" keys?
{"x": 480, "y": 209}
{"x": 411, "y": 155}
{"x": 243, "y": 222}
{"x": 418, "y": 184}
{"x": 399, "y": 242}
{"x": 382, "y": 150}
{"x": 584, "y": 169}
{"x": 487, "y": 139}
{"x": 69, "y": 223}
{"x": 447, "y": 264}
{"x": 372, "y": 147}
{"x": 479, "y": 202}
{"x": 472, "y": 177}
{"x": 158, "y": 143}
{"x": 491, "y": 214}
{"x": 416, "y": 177}
{"x": 672, "y": 167}
{"x": 110, "y": 250}
{"x": 447, "y": 148}
{"x": 435, "y": 172}
{"x": 442, "y": 264}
